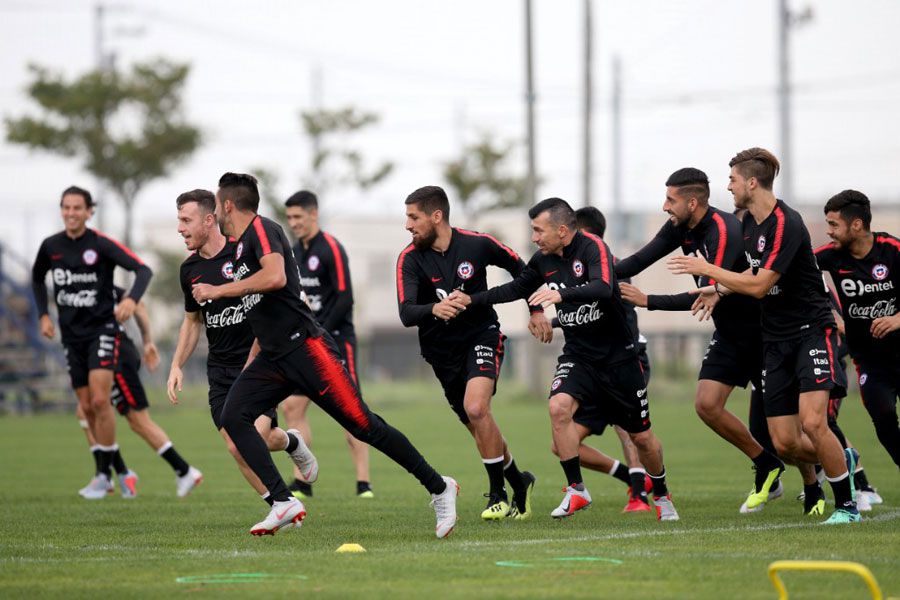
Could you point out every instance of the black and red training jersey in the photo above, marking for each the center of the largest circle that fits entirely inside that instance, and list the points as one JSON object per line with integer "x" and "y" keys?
{"x": 868, "y": 288}
{"x": 798, "y": 301}
{"x": 280, "y": 319}
{"x": 718, "y": 238}
{"x": 82, "y": 273}
{"x": 425, "y": 277}
{"x": 227, "y": 328}
{"x": 325, "y": 277}
{"x": 592, "y": 312}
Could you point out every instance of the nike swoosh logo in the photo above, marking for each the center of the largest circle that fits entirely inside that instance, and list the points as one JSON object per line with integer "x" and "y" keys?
{"x": 485, "y": 369}
{"x": 325, "y": 391}
{"x": 823, "y": 380}
{"x": 281, "y": 516}
{"x": 105, "y": 363}
{"x": 436, "y": 279}
{"x": 55, "y": 256}
{"x": 549, "y": 273}
{"x": 196, "y": 279}
{"x": 746, "y": 237}
{"x": 845, "y": 271}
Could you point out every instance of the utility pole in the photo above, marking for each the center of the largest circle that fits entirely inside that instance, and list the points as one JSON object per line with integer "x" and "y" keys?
{"x": 786, "y": 20}
{"x": 618, "y": 229}
{"x": 587, "y": 170}
{"x": 531, "y": 191}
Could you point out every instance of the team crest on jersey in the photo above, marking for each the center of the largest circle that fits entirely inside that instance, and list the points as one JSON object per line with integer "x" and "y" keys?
{"x": 312, "y": 262}
{"x": 239, "y": 250}
{"x": 228, "y": 270}
{"x": 89, "y": 256}
{"x": 556, "y": 383}
{"x": 578, "y": 268}
{"x": 761, "y": 243}
{"x": 880, "y": 271}
{"x": 465, "y": 270}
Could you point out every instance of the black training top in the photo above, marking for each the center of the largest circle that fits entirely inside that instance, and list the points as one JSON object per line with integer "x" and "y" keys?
{"x": 82, "y": 273}
{"x": 325, "y": 277}
{"x": 868, "y": 289}
{"x": 592, "y": 313}
{"x": 227, "y": 329}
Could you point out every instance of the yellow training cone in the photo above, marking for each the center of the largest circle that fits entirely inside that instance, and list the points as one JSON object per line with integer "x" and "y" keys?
{"x": 350, "y": 548}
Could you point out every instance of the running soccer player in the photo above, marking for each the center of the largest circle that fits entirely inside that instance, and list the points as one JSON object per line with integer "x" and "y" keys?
{"x": 599, "y": 366}
{"x": 865, "y": 267}
{"x": 81, "y": 261}
{"x": 325, "y": 277}
{"x": 296, "y": 354}
{"x": 799, "y": 333}
{"x": 465, "y": 349}
{"x": 227, "y": 332}
{"x": 734, "y": 355}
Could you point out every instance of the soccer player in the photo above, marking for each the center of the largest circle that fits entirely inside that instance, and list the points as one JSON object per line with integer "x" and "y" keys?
{"x": 81, "y": 261}
{"x": 227, "y": 332}
{"x": 296, "y": 355}
{"x": 599, "y": 366}
{"x": 465, "y": 349}
{"x": 865, "y": 267}
{"x": 590, "y": 220}
{"x": 325, "y": 277}
{"x": 799, "y": 333}
{"x": 734, "y": 354}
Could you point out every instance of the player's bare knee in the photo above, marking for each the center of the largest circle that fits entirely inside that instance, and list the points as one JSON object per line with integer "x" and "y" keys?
{"x": 707, "y": 408}
{"x": 643, "y": 440}
{"x": 561, "y": 408}
{"x": 477, "y": 410}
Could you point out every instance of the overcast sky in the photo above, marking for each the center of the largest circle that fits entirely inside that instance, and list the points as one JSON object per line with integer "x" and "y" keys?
{"x": 699, "y": 81}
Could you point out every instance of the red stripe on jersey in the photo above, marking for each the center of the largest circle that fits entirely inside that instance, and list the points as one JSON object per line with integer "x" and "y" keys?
{"x": 338, "y": 261}
{"x": 604, "y": 258}
{"x": 889, "y": 241}
{"x": 823, "y": 247}
{"x": 723, "y": 241}
{"x": 490, "y": 237}
{"x": 121, "y": 246}
{"x": 400, "y": 260}
{"x": 336, "y": 381}
{"x": 779, "y": 236}
{"x": 126, "y": 391}
{"x": 261, "y": 234}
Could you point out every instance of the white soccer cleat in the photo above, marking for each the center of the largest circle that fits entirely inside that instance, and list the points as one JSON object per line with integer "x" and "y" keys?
{"x": 283, "y": 514}
{"x": 97, "y": 489}
{"x": 445, "y": 508}
{"x": 128, "y": 484}
{"x": 188, "y": 481}
{"x": 665, "y": 510}
{"x": 872, "y": 495}
{"x": 862, "y": 502}
{"x": 304, "y": 459}
{"x": 574, "y": 500}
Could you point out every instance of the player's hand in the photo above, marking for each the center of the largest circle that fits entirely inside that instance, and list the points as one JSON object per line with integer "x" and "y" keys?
{"x": 707, "y": 299}
{"x": 632, "y": 294}
{"x": 204, "y": 292}
{"x": 47, "y": 328}
{"x": 544, "y": 297}
{"x": 447, "y": 308}
{"x": 539, "y": 326}
{"x": 461, "y": 297}
{"x": 125, "y": 309}
{"x": 884, "y": 325}
{"x": 173, "y": 385}
{"x": 689, "y": 264}
{"x": 151, "y": 356}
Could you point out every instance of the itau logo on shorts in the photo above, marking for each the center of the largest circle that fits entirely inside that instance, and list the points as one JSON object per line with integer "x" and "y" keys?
{"x": 761, "y": 243}
{"x": 465, "y": 270}
{"x": 880, "y": 272}
{"x": 312, "y": 262}
{"x": 578, "y": 268}
{"x": 239, "y": 250}
{"x": 228, "y": 270}
{"x": 89, "y": 256}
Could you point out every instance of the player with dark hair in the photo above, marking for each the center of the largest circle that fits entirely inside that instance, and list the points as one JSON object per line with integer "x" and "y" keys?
{"x": 81, "y": 261}
{"x": 465, "y": 349}
{"x": 799, "y": 333}
{"x": 325, "y": 277}
{"x": 599, "y": 366}
{"x": 295, "y": 355}
{"x": 734, "y": 355}
{"x": 227, "y": 332}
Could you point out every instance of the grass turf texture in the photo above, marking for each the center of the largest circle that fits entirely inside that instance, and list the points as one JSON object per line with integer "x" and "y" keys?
{"x": 54, "y": 544}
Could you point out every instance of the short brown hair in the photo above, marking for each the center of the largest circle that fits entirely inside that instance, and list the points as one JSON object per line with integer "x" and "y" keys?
{"x": 759, "y": 163}
{"x": 429, "y": 199}
{"x": 205, "y": 199}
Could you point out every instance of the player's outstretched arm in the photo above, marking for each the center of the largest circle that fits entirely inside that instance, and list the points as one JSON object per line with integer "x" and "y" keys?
{"x": 269, "y": 278}
{"x": 748, "y": 283}
{"x": 188, "y": 336}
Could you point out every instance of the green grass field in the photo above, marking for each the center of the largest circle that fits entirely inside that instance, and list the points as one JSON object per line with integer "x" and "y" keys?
{"x": 54, "y": 544}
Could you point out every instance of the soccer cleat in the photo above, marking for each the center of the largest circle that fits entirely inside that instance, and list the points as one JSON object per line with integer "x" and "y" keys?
{"x": 775, "y": 492}
{"x": 97, "y": 489}
{"x": 872, "y": 494}
{"x": 841, "y": 516}
{"x": 188, "y": 481}
{"x": 814, "y": 506}
{"x": 497, "y": 508}
{"x": 444, "y": 505}
{"x": 128, "y": 484}
{"x": 665, "y": 510}
{"x": 763, "y": 485}
{"x": 637, "y": 504}
{"x": 283, "y": 514}
{"x": 521, "y": 507}
{"x": 304, "y": 459}
{"x": 862, "y": 502}
{"x": 576, "y": 498}
{"x": 364, "y": 494}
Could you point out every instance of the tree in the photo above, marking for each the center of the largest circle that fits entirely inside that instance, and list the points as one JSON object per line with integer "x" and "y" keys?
{"x": 127, "y": 128}
{"x": 480, "y": 178}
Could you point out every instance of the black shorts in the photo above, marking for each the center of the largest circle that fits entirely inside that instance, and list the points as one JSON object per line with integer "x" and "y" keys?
{"x": 879, "y": 387}
{"x": 347, "y": 348}
{"x": 83, "y": 356}
{"x": 732, "y": 360}
{"x": 589, "y": 415}
{"x": 128, "y": 392}
{"x": 483, "y": 357}
{"x": 615, "y": 394}
{"x": 220, "y": 380}
{"x": 793, "y": 367}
